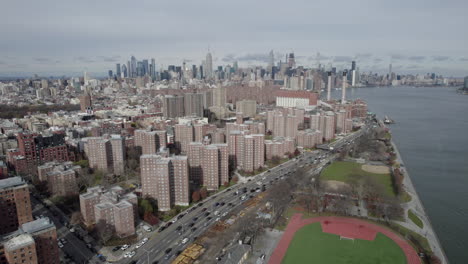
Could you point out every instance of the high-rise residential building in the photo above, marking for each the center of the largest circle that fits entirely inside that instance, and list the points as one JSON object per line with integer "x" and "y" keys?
{"x": 173, "y": 106}
{"x": 15, "y": 204}
{"x": 106, "y": 154}
{"x": 329, "y": 129}
{"x": 33, "y": 242}
{"x": 60, "y": 177}
{"x": 85, "y": 103}
{"x": 209, "y": 164}
{"x": 184, "y": 134}
{"x": 279, "y": 147}
{"x": 179, "y": 170}
{"x": 246, "y": 151}
{"x": 219, "y": 101}
{"x": 248, "y": 108}
{"x": 150, "y": 141}
{"x": 111, "y": 210}
{"x": 195, "y": 157}
{"x": 165, "y": 179}
{"x": 118, "y": 154}
{"x": 193, "y": 104}
{"x": 210, "y": 167}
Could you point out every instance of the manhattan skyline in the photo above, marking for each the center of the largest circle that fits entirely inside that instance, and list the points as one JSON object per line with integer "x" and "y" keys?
{"x": 66, "y": 38}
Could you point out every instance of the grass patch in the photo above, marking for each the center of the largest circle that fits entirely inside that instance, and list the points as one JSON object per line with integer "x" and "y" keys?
{"x": 415, "y": 219}
{"x": 311, "y": 245}
{"x": 342, "y": 170}
{"x": 405, "y": 197}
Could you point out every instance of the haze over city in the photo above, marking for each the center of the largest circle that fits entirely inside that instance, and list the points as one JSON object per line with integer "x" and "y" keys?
{"x": 61, "y": 37}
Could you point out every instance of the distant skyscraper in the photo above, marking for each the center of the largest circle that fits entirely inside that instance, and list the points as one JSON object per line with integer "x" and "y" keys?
{"x": 145, "y": 67}
{"x": 153, "y": 68}
{"x": 329, "y": 87}
{"x": 291, "y": 60}
{"x": 124, "y": 71}
{"x": 353, "y": 65}
{"x": 110, "y": 74}
{"x": 208, "y": 66}
{"x": 343, "y": 89}
{"x": 271, "y": 59}
{"x": 118, "y": 70}
{"x": 133, "y": 67}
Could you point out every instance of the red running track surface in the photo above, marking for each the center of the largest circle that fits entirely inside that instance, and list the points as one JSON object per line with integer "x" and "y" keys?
{"x": 347, "y": 227}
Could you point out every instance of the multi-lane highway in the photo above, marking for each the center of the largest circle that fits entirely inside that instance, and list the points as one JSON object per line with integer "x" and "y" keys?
{"x": 196, "y": 220}
{"x": 167, "y": 244}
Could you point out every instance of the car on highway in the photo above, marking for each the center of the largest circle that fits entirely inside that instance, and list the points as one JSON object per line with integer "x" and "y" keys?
{"x": 191, "y": 224}
{"x": 193, "y": 229}
{"x": 185, "y": 240}
{"x": 204, "y": 209}
{"x": 216, "y": 204}
{"x": 60, "y": 245}
{"x": 115, "y": 248}
{"x": 168, "y": 250}
{"x": 207, "y": 214}
{"x": 223, "y": 203}
{"x": 124, "y": 247}
{"x": 195, "y": 219}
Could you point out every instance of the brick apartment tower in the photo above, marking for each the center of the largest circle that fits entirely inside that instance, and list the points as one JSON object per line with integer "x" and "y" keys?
{"x": 15, "y": 204}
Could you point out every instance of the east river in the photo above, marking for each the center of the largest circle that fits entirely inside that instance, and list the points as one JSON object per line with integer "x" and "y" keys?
{"x": 431, "y": 132}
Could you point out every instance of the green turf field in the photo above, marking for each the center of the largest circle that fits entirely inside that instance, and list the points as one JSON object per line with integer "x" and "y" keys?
{"x": 311, "y": 245}
{"x": 342, "y": 170}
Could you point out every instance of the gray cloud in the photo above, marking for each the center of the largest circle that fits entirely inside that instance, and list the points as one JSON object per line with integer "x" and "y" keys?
{"x": 77, "y": 39}
{"x": 229, "y": 58}
{"x": 378, "y": 60}
{"x": 42, "y": 60}
{"x": 342, "y": 59}
{"x": 440, "y": 58}
{"x": 84, "y": 59}
{"x": 417, "y": 58}
{"x": 397, "y": 56}
{"x": 109, "y": 58}
{"x": 258, "y": 57}
{"x": 363, "y": 56}
{"x": 2, "y": 63}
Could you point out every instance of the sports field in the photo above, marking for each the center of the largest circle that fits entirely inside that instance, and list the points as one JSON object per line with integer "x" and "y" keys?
{"x": 311, "y": 245}
{"x": 344, "y": 170}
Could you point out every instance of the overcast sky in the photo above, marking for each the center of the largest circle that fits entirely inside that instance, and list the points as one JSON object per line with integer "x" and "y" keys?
{"x": 63, "y": 37}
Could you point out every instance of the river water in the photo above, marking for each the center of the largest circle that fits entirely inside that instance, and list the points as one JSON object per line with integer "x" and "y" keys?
{"x": 431, "y": 132}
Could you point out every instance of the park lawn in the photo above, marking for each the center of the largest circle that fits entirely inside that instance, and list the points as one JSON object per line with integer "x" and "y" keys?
{"x": 342, "y": 170}
{"x": 311, "y": 245}
{"x": 415, "y": 219}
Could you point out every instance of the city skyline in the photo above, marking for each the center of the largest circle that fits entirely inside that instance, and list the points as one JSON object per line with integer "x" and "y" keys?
{"x": 62, "y": 38}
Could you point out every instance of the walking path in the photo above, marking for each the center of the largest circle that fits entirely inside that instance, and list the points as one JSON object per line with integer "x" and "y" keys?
{"x": 418, "y": 209}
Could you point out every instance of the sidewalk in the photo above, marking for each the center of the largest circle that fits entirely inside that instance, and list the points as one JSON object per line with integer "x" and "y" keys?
{"x": 416, "y": 206}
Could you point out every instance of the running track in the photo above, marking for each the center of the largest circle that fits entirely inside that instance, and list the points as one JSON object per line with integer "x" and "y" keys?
{"x": 347, "y": 227}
